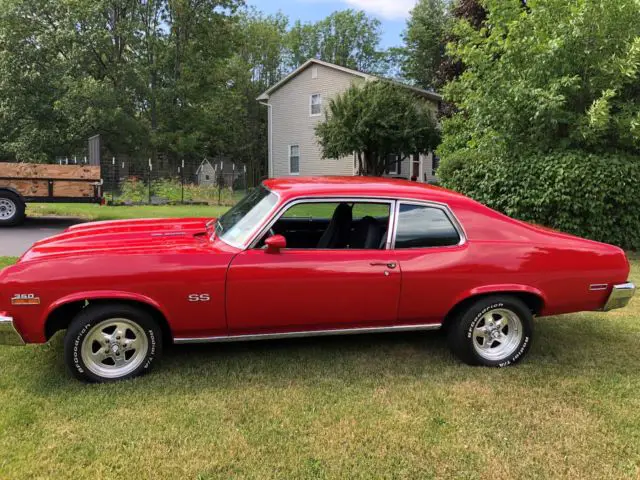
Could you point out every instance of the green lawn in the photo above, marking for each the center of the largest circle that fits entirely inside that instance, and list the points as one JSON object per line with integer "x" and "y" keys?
{"x": 394, "y": 406}
{"x": 104, "y": 212}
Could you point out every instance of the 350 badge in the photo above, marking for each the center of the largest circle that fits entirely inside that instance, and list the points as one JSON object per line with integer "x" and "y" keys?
{"x": 25, "y": 299}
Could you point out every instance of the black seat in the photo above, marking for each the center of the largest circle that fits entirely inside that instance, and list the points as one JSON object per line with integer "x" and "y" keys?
{"x": 366, "y": 234}
{"x": 337, "y": 233}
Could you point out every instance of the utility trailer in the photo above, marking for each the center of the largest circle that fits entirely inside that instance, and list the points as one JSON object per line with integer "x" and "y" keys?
{"x": 21, "y": 183}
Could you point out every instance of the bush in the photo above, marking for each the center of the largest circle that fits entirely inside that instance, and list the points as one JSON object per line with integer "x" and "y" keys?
{"x": 593, "y": 196}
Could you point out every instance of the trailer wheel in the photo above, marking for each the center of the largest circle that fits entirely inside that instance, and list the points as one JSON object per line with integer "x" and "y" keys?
{"x": 11, "y": 209}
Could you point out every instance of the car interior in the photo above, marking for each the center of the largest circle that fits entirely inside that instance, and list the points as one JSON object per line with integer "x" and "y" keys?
{"x": 333, "y": 226}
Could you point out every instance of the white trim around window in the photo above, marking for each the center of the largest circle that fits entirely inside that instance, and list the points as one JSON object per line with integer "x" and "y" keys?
{"x": 315, "y": 105}
{"x": 294, "y": 159}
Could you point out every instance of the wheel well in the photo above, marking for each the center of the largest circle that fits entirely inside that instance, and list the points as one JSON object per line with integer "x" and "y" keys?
{"x": 61, "y": 317}
{"x": 14, "y": 192}
{"x": 531, "y": 300}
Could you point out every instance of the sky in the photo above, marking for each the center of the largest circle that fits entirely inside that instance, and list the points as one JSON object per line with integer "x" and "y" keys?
{"x": 392, "y": 13}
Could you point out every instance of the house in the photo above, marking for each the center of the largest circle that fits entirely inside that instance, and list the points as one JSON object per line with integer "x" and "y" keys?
{"x": 296, "y": 104}
{"x": 209, "y": 174}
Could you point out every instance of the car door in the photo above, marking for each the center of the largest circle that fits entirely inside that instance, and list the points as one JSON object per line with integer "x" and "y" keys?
{"x": 300, "y": 289}
{"x": 430, "y": 247}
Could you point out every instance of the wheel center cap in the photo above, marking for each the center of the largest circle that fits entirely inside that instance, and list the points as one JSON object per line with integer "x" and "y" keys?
{"x": 495, "y": 334}
{"x": 115, "y": 348}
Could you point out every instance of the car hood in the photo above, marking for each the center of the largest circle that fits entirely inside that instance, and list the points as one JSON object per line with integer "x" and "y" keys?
{"x": 125, "y": 236}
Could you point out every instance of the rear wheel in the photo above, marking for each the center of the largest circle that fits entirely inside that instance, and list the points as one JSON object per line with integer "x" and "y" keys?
{"x": 106, "y": 343}
{"x": 494, "y": 331}
{"x": 11, "y": 209}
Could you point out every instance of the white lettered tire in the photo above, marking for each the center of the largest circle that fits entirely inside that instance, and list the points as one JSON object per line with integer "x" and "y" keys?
{"x": 111, "y": 342}
{"x": 494, "y": 331}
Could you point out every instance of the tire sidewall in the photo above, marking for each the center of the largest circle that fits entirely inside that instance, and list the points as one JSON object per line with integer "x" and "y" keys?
{"x": 87, "y": 319}
{"x": 475, "y": 315}
{"x": 18, "y": 217}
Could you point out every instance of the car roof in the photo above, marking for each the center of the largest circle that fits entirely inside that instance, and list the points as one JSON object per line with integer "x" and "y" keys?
{"x": 294, "y": 187}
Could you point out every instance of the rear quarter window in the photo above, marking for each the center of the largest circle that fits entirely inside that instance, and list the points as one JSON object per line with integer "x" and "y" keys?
{"x": 421, "y": 226}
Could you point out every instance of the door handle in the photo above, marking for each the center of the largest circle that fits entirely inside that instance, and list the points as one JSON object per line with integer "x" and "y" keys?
{"x": 382, "y": 264}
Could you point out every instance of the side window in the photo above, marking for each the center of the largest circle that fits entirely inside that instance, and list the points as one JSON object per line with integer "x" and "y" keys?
{"x": 420, "y": 226}
{"x": 334, "y": 225}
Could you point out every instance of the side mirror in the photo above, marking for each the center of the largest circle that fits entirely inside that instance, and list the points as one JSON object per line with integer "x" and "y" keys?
{"x": 275, "y": 243}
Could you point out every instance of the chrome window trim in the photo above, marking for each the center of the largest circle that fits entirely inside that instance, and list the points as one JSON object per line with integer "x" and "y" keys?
{"x": 390, "y": 201}
{"x": 440, "y": 206}
{"x": 242, "y": 246}
{"x": 310, "y": 333}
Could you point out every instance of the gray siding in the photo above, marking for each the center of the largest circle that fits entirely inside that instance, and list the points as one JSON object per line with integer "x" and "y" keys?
{"x": 292, "y": 124}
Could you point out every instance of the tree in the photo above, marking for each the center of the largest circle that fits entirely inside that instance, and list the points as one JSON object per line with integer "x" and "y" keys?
{"x": 424, "y": 41}
{"x": 376, "y": 120}
{"x": 348, "y": 38}
{"x": 549, "y": 109}
{"x": 548, "y": 76}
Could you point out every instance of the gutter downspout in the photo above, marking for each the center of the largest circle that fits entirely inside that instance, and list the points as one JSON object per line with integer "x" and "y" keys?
{"x": 269, "y": 138}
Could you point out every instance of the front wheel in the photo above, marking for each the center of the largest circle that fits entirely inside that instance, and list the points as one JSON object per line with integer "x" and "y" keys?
{"x": 494, "y": 331}
{"x": 111, "y": 342}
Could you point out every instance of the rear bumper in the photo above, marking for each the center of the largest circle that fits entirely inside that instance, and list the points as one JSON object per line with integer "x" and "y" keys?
{"x": 620, "y": 296}
{"x": 8, "y": 334}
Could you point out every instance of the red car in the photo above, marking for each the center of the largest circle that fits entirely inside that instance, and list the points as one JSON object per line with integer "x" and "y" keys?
{"x": 305, "y": 257}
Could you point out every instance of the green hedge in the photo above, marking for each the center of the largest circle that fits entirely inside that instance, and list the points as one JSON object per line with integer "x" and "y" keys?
{"x": 593, "y": 196}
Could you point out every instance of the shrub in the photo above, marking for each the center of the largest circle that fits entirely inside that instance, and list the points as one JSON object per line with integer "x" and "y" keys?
{"x": 593, "y": 196}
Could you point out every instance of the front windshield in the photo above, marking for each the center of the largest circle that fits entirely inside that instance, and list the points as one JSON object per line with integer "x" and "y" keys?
{"x": 236, "y": 226}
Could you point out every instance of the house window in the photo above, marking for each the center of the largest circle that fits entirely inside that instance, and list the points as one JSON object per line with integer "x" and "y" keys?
{"x": 207, "y": 177}
{"x": 316, "y": 104}
{"x": 294, "y": 159}
{"x": 393, "y": 165}
{"x": 435, "y": 165}
{"x": 314, "y": 72}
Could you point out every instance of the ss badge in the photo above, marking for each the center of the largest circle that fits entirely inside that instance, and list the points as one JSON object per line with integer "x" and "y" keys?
{"x": 199, "y": 297}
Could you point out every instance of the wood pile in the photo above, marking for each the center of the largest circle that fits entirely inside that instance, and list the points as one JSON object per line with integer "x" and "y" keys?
{"x": 40, "y": 188}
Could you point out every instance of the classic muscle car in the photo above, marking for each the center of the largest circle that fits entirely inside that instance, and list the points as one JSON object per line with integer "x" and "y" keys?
{"x": 305, "y": 257}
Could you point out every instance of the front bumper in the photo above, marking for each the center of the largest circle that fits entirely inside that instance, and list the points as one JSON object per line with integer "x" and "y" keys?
{"x": 620, "y": 296}
{"x": 8, "y": 333}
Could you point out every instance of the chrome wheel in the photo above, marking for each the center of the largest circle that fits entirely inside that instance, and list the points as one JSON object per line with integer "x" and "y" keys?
{"x": 498, "y": 334}
{"x": 8, "y": 209}
{"x": 114, "y": 348}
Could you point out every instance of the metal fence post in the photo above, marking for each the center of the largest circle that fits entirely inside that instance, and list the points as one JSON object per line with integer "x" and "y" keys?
{"x": 150, "y": 169}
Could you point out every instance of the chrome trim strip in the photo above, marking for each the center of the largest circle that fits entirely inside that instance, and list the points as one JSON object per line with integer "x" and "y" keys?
{"x": 595, "y": 287}
{"x": 292, "y": 203}
{"x": 8, "y": 333}
{"x": 620, "y": 296}
{"x": 311, "y": 333}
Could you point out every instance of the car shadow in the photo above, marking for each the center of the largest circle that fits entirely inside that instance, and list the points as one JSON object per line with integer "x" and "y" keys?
{"x": 574, "y": 346}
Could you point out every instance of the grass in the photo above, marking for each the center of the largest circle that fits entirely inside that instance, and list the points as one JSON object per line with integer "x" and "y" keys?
{"x": 385, "y": 406}
{"x": 103, "y": 212}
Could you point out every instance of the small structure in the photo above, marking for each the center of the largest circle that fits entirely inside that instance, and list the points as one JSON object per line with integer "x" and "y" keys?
{"x": 206, "y": 174}
{"x": 222, "y": 171}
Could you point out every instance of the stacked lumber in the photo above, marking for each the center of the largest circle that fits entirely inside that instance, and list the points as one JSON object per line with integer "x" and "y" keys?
{"x": 40, "y": 188}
